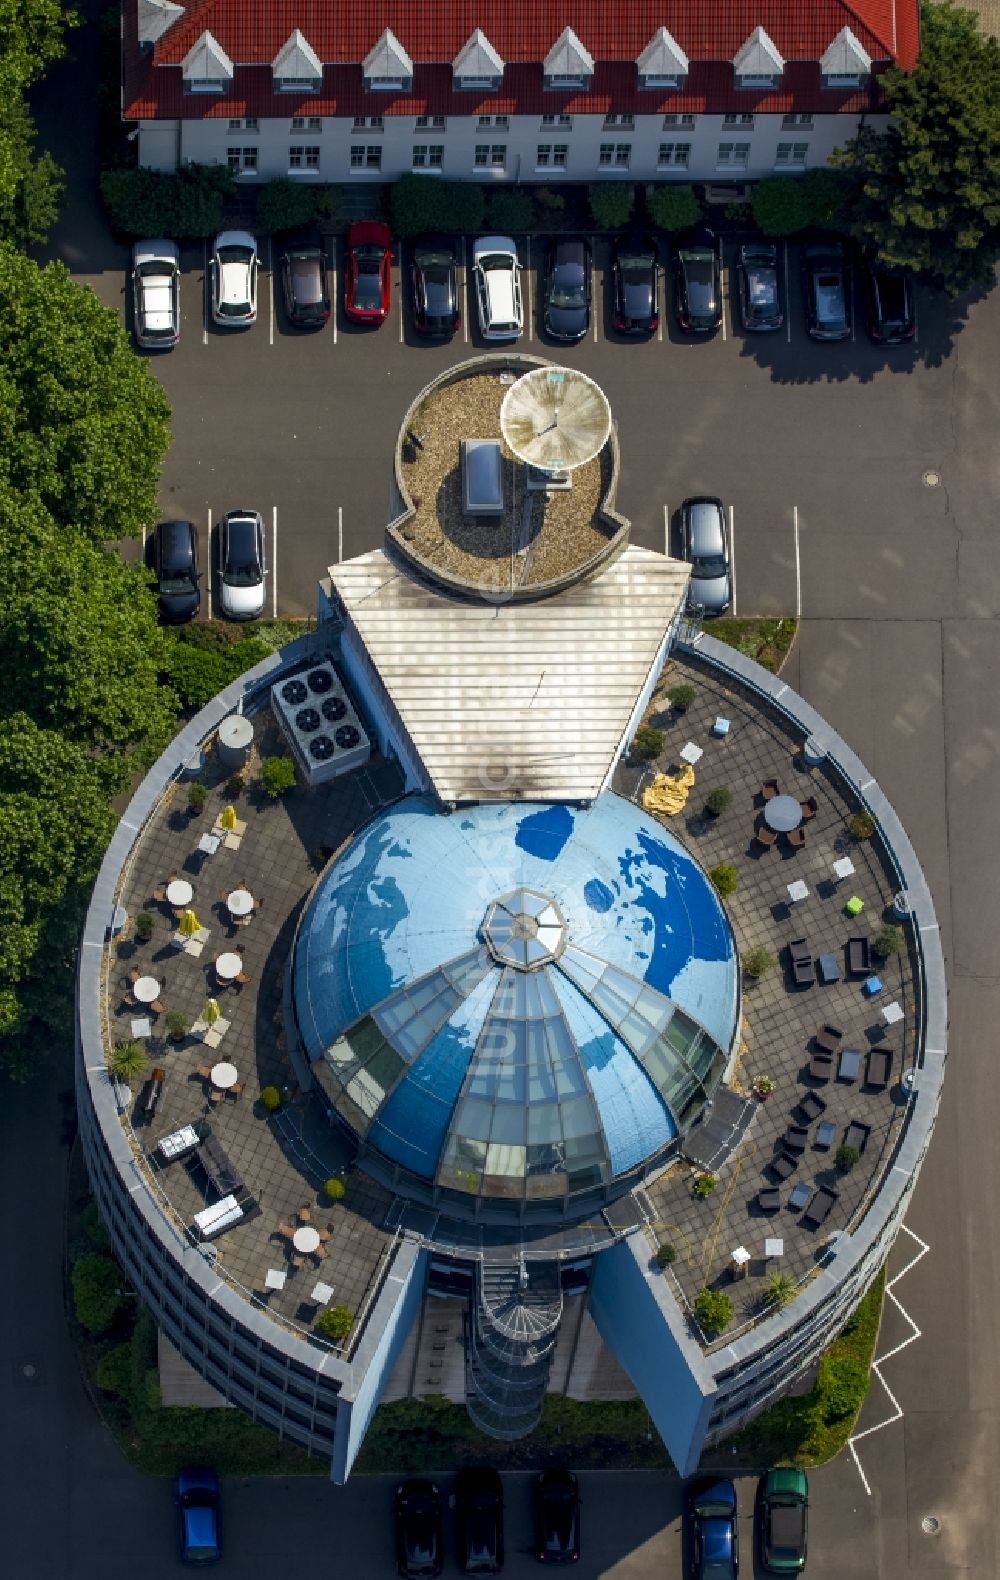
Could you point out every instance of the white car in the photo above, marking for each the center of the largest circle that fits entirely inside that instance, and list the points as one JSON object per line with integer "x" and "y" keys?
{"x": 242, "y": 566}
{"x": 156, "y": 294}
{"x": 234, "y": 279}
{"x": 497, "y": 274}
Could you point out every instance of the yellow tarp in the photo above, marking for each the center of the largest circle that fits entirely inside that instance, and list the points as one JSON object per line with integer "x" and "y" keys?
{"x": 669, "y": 792}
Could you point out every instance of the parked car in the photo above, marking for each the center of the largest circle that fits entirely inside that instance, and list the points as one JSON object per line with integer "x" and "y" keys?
{"x": 197, "y": 1500}
{"x": 757, "y": 285}
{"x": 633, "y": 274}
{"x": 304, "y": 283}
{"x": 827, "y": 291}
{"x": 783, "y": 1521}
{"x": 497, "y": 276}
{"x": 434, "y": 282}
{"x": 714, "y": 1540}
{"x": 156, "y": 294}
{"x": 242, "y": 564}
{"x": 566, "y": 289}
{"x": 698, "y": 281}
{"x": 367, "y": 271}
{"x": 233, "y": 268}
{"x": 557, "y": 1517}
{"x": 705, "y": 546}
{"x": 890, "y": 319}
{"x": 479, "y": 1506}
{"x": 175, "y": 561}
{"x": 419, "y": 1539}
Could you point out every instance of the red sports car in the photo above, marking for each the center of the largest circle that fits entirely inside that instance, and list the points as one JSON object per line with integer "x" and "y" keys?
{"x": 367, "y": 275}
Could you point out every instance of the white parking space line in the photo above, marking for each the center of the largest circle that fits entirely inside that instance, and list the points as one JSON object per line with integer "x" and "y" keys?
{"x": 144, "y": 545}
{"x": 274, "y": 562}
{"x": 270, "y": 293}
{"x": 333, "y": 292}
{"x": 465, "y": 293}
{"x": 208, "y": 562}
{"x": 661, "y": 280}
{"x": 401, "y": 293}
{"x": 666, "y": 530}
{"x": 788, "y": 299}
{"x": 340, "y": 534}
{"x": 732, "y": 555}
{"x": 722, "y": 288}
{"x": 798, "y": 565}
{"x": 916, "y": 320}
{"x": 204, "y": 295}
{"x": 531, "y": 310}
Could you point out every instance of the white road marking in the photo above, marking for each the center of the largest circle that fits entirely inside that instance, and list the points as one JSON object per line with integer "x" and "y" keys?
{"x": 732, "y": 555}
{"x": 274, "y": 562}
{"x": 333, "y": 294}
{"x": 877, "y": 1365}
{"x": 270, "y": 292}
{"x": 531, "y": 310}
{"x": 788, "y": 299}
{"x": 144, "y": 545}
{"x": 340, "y": 534}
{"x": 722, "y": 289}
{"x": 916, "y": 321}
{"x": 666, "y": 530}
{"x": 465, "y": 293}
{"x": 660, "y": 316}
{"x": 204, "y": 294}
{"x": 798, "y": 566}
{"x": 208, "y": 558}
{"x": 401, "y": 293}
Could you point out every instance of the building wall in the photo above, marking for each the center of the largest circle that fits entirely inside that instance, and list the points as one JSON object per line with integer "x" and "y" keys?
{"x": 266, "y": 146}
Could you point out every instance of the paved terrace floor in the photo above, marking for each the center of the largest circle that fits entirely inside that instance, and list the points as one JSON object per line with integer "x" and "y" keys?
{"x": 284, "y": 1159}
{"x": 779, "y": 1020}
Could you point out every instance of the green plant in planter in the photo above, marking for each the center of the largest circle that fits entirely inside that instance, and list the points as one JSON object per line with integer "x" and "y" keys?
{"x": 197, "y": 796}
{"x": 176, "y": 1024}
{"x": 713, "y": 1311}
{"x": 763, "y": 1086}
{"x": 704, "y": 1185}
{"x": 235, "y": 786}
{"x": 757, "y": 962}
{"x": 889, "y": 941}
{"x": 277, "y": 775}
{"x": 664, "y": 1255}
{"x": 144, "y": 926}
{"x": 335, "y": 1323}
{"x": 334, "y": 1189}
{"x": 647, "y": 742}
{"x": 780, "y": 1288}
{"x": 861, "y": 826}
{"x": 681, "y": 696}
{"x": 725, "y": 878}
{"x": 719, "y": 799}
{"x": 846, "y": 1158}
{"x": 270, "y": 1098}
{"x": 127, "y": 1060}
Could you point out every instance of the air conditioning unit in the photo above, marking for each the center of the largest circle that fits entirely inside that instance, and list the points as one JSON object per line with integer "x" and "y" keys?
{"x": 318, "y": 720}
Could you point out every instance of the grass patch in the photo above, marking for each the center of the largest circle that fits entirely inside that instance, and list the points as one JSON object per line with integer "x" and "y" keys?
{"x": 809, "y": 1430}
{"x": 766, "y": 640}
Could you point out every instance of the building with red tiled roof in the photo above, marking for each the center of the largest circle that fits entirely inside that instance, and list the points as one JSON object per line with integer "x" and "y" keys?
{"x": 568, "y": 91}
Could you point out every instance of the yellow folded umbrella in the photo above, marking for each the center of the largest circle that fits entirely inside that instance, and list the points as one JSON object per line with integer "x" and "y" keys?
{"x": 228, "y": 818}
{"x": 188, "y": 924}
{"x": 211, "y": 1013}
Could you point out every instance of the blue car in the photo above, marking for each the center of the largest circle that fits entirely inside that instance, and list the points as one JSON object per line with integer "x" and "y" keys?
{"x": 714, "y": 1544}
{"x": 198, "y": 1514}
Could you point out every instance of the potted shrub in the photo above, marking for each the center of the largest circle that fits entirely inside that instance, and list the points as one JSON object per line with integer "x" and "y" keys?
{"x": 235, "y": 785}
{"x": 718, "y": 800}
{"x": 277, "y": 775}
{"x": 704, "y": 1185}
{"x": 664, "y": 1255}
{"x": 725, "y": 879}
{"x": 889, "y": 941}
{"x": 713, "y": 1312}
{"x": 270, "y": 1098}
{"x": 780, "y": 1288}
{"x": 127, "y": 1060}
{"x": 144, "y": 927}
{"x": 176, "y": 1024}
{"x": 757, "y": 962}
{"x": 647, "y": 743}
{"x": 861, "y": 826}
{"x": 763, "y": 1086}
{"x": 334, "y": 1189}
{"x": 197, "y": 796}
{"x": 681, "y": 696}
{"x": 846, "y": 1158}
{"x": 335, "y": 1323}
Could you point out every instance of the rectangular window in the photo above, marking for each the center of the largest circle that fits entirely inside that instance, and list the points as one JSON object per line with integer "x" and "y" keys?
{"x": 732, "y": 156}
{"x": 673, "y": 154}
{"x": 428, "y": 156}
{"x": 663, "y": 83}
{"x": 307, "y": 123}
{"x": 797, "y": 123}
{"x": 366, "y": 157}
{"x": 792, "y": 154}
{"x": 670, "y": 121}
{"x": 738, "y": 120}
{"x": 302, "y": 156}
{"x": 491, "y": 155}
{"x": 367, "y": 123}
{"x": 560, "y": 83}
{"x": 206, "y": 85}
{"x": 296, "y": 85}
{"x": 842, "y": 82}
{"x": 435, "y": 123}
{"x": 500, "y": 122}
{"x": 241, "y": 159}
{"x": 387, "y": 85}
{"x": 551, "y": 156}
{"x": 564, "y": 122}
{"x": 616, "y": 155}
{"x": 249, "y": 124}
{"x": 625, "y": 122}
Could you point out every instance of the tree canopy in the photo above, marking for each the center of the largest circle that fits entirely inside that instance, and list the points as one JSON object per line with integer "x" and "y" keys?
{"x": 928, "y": 189}
{"x": 31, "y": 38}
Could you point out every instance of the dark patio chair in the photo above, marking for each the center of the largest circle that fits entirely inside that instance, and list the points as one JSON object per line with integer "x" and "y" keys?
{"x": 800, "y": 949}
{"x": 821, "y": 1067}
{"x": 764, "y": 837}
{"x": 769, "y": 1199}
{"x": 856, "y": 1135}
{"x": 828, "y": 1038}
{"x": 819, "y": 1207}
{"x": 811, "y": 1106}
{"x": 859, "y": 956}
{"x": 809, "y": 808}
{"x": 769, "y": 789}
{"x": 879, "y": 1066}
{"x": 795, "y": 838}
{"x": 794, "y": 1140}
{"x": 783, "y": 1165}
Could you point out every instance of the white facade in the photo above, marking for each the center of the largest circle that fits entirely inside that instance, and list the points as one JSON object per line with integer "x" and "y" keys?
{"x": 515, "y": 148}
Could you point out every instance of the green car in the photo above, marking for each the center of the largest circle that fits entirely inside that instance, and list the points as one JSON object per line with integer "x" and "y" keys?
{"x": 783, "y": 1525}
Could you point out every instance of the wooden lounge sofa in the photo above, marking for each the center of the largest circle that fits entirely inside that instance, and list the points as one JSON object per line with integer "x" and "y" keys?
{"x": 859, "y": 955}
{"x": 803, "y": 965}
{"x": 819, "y": 1207}
{"x": 811, "y": 1106}
{"x": 795, "y": 1140}
{"x": 821, "y": 1066}
{"x": 828, "y": 1039}
{"x": 856, "y": 1135}
{"x": 783, "y": 1165}
{"x": 878, "y": 1068}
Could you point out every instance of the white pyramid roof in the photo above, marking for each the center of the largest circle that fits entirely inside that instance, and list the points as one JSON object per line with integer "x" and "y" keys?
{"x": 206, "y": 61}
{"x": 388, "y": 59}
{"x": 155, "y": 17}
{"x": 568, "y": 58}
{"x": 297, "y": 59}
{"x": 758, "y": 57}
{"x": 663, "y": 57}
{"x": 477, "y": 58}
{"x": 846, "y": 57}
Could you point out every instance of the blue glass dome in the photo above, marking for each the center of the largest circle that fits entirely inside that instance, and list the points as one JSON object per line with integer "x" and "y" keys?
{"x": 525, "y": 1003}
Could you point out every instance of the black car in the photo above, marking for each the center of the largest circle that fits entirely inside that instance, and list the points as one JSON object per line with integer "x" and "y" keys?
{"x": 698, "y": 281}
{"x": 889, "y": 302}
{"x": 757, "y": 284}
{"x": 826, "y": 285}
{"x": 434, "y": 279}
{"x": 566, "y": 290}
{"x": 557, "y": 1517}
{"x": 633, "y": 273}
{"x": 175, "y": 561}
{"x": 419, "y": 1543}
{"x": 304, "y": 283}
{"x": 479, "y": 1506}
{"x": 715, "y": 1553}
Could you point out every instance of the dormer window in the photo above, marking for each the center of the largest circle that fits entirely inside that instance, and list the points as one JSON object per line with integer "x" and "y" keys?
{"x": 206, "y": 68}
{"x": 568, "y": 67}
{"x": 388, "y": 68}
{"x": 758, "y": 65}
{"x": 846, "y": 65}
{"x": 662, "y": 64}
{"x": 477, "y": 68}
{"x": 296, "y": 67}
{"x": 155, "y": 18}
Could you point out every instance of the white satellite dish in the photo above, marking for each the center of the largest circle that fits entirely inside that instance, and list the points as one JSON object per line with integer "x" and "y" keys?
{"x": 555, "y": 419}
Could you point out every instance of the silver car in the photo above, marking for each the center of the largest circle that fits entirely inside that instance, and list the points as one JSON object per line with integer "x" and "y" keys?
{"x": 705, "y": 543}
{"x": 234, "y": 279}
{"x": 156, "y": 294}
{"x": 242, "y": 565}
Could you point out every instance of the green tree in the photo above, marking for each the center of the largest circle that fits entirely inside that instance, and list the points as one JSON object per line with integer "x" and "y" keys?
{"x": 29, "y": 207}
{"x": 611, "y": 203}
{"x": 188, "y": 205}
{"x": 277, "y": 774}
{"x": 673, "y": 207}
{"x": 725, "y": 878}
{"x": 97, "y": 1299}
{"x": 507, "y": 210}
{"x": 31, "y": 38}
{"x": 785, "y": 204}
{"x": 928, "y": 188}
{"x": 421, "y": 202}
{"x": 647, "y": 742}
{"x": 335, "y": 1323}
{"x": 284, "y": 204}
{"x": 713, "y": 1311}
{"x": 83, "y": 422}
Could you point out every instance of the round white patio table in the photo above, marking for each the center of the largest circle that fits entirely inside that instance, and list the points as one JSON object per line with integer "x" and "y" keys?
{"x": 146, "y": 990}
{"x": 782, "y": 813}
{"x": 228, "y": 966}
{"x": 224, "y": 1075}
{"x": 179, "y": 892}
{"x": 240, "y": 902}
{"x": 306, "y": 1239}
